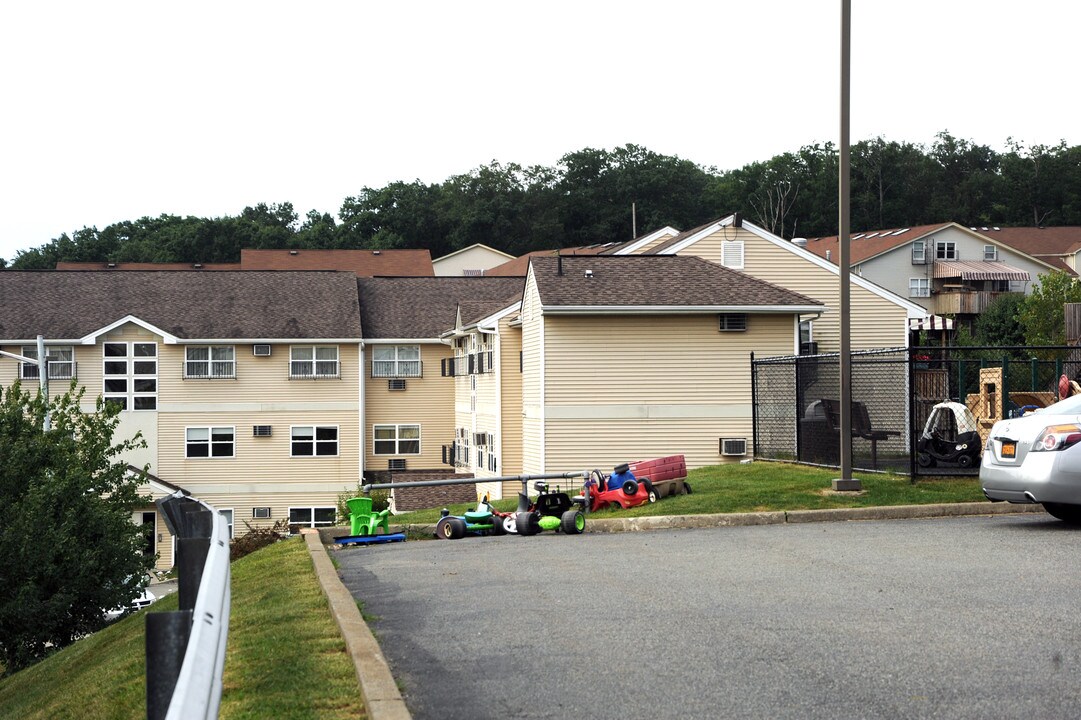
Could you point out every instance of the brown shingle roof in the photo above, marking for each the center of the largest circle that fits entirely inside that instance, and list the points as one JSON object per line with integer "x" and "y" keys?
{"x": 1049, "y": 244}
{"x": 145, "y": 266}
{"x": 415, "y": 308}
{"x": 663, "y": 247}
{"x": 365, "y": 263}
{"x": 869, "y": 243}
{"x": 654, "y": 281}
{"x": 215, "y": 305}
{"x": 519, "y": 265}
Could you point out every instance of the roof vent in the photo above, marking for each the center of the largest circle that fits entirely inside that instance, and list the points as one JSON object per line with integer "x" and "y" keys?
{"x": 375, "y": 252}
{"x": 198, "y": 266}
{"x": 112, "y": 265}
{"x": 589, "y": 273}
{"x": 829, "y": 255}
{"x": 799, "y": 242}
{"x": 292, "y": 252}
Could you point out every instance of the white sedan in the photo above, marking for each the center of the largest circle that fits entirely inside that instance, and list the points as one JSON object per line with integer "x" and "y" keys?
{"x": 1037, "y": 459}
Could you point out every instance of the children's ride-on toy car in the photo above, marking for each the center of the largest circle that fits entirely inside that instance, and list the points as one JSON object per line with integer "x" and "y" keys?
{"x": 620, "y": 488}
{"x": 550, "y": 510}
{"x": 950, "y": 436}
{"x": 481, "y": 521}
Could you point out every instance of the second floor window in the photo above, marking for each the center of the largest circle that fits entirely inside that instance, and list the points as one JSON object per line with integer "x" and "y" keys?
{"x": 61, "y": 363}
{"x": 919, "y": 287}
{"x": 919, "y": 252}
{"x": 313, "y": 440}
{"x": 390, "y": 361}
{"x": 210, "y": 362}
{"x": 215, "y": 442}
{"x": 313, "y": 361}
{"x": 946, "y": 251}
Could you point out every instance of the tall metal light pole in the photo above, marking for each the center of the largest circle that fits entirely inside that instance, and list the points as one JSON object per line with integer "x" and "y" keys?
{"x": 846, "y": 481}
{"x": 42, "y": 361}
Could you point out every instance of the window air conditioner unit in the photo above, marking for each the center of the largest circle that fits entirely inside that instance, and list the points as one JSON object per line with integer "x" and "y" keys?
{"x": 480, "y": 439}
{"x": 260, "y": 350}
{"x": 260, "y": 513}
{"x": 396, "y": 464}
{"x": 733, "y": 446}
{"x": 395, "y": 384}
{"x": 260, "y": 431}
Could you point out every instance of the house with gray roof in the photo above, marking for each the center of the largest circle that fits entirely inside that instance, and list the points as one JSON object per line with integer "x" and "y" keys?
{"x": 245, "y": 385}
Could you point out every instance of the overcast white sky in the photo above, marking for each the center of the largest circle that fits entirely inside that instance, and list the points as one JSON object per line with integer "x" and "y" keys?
{"x": 117, "y": 110}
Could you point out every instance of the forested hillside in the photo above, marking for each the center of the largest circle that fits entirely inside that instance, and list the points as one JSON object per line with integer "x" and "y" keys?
{"x": 587, "y": 198}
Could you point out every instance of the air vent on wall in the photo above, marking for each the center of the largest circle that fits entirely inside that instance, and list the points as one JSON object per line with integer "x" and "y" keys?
{"x": 395, "y": 384}
{"x": 396, "y": 464}
{"x": 733, "y": 446}
{"x": 260, "y": 350}
{"x": 260, "y": 430}
{"x": 733, "y": 322}
{"x": 260, "y": 513}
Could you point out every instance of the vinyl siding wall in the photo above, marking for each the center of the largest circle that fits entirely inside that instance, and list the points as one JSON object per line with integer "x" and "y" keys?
{"x": 532, "y": 380}
{"x": 875, "y": 323}
{"x": 633, "y": 387}
{"x": 427, "y": 401}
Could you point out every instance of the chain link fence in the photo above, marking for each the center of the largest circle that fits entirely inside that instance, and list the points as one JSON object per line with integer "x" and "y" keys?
{"x": 895, "y": 391}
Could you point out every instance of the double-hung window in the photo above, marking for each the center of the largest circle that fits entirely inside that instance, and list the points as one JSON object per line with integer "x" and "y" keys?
{"x": 212, "y": 442}
{"x": 919, "y": 252}
{"x": 396, "y": 440}
{"x": 313, "y": 361}
{"x": 130, "y": 375}
{"x": 919, "y": 287}
{"x": 61, "y": 363}
{"x": 210, "y": 362}
{"x": 990, "y": 252}
{"x": 313, "y": 440}
{"x": 396, "y": 361}
{"x": 946, "y": 250}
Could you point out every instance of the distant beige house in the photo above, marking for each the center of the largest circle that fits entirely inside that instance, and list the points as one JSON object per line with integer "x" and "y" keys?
{"x": 469, "y": 261}
{"x": 246, "y": 386}
{"x": 613, "y": 358}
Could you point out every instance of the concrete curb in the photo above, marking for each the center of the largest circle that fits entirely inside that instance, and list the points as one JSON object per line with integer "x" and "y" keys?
{"x": 382, "y": 700}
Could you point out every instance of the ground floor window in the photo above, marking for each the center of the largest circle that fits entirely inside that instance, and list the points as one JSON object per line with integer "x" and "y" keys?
{"x": 397, "y": 439}
{"x": 311, "y": 516}
{"x": 228, "y": 515}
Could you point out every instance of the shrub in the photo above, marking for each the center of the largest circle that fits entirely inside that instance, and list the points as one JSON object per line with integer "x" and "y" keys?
{"x": 257, "y": 538}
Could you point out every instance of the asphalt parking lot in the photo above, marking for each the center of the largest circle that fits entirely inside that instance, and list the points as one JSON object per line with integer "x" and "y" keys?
{"x": 970, "y": 617}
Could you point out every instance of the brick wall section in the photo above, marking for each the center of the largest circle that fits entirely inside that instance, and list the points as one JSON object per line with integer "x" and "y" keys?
{"x": 420, "y": 498}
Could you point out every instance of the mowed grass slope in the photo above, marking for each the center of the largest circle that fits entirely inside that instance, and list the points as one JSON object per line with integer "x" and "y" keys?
{"x": 766, "y": 486}
{"x": 285, "y": 657}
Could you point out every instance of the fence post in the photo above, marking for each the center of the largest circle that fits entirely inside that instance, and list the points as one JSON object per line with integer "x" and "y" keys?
{"x": 1005, "y": 386}
{"x": 798, "y": 397}
{"x": 1035, "y": 374}
{"x": 754, "y": 409}
{"x": 913, "y": 442}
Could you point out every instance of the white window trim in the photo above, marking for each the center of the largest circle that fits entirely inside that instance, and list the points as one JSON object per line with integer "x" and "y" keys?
{"x": 315, "y": 431}
{"x": 131, "y": 394}
{"x": 313, "y": 523}
{"x": 919, "y": 287}
{"x": 315, "y": 361}
{"x": 398, "y": 439}
{"x": 209, "y": 442}
{"x": 948, "y": 248}
{"x": 210, "y": 363}
{"x": 993, "y": 255}
{"x": 397, "y": 363}
{"x": 27, "y": 371}
{"x": 919, "y": 258}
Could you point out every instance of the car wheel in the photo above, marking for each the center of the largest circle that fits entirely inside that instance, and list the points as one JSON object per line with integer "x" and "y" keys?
{"x": 687, "y": 488}
{"x": 457, "y": 528}
{"x": 651, "y": 492}
{"x": 442, "y": 528}
{"x": 572, "y": 522}
{"x": 630, "y": 487}
{"x": 528, "y": 523}
{"x": 1066, "y": 513}
{"x": 510, "y": 524}
{"x": 925, "y": 460}
{"x": 964, "y": 461}
{"x": 497, "y": 526}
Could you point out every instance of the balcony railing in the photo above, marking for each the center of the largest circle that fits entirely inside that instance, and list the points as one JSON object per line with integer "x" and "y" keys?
{"x": 963, "y": 302}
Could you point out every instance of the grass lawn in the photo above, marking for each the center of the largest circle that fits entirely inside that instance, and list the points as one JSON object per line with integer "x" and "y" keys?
{"x": 285, "y": 657}
{"x": 762, "y": 486}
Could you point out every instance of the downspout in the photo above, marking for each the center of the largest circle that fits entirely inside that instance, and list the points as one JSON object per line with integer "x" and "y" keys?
{"x": 363, "y": 413}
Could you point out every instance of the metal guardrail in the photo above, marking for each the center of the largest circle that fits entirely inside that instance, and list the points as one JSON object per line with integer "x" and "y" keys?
{"x": 185, "y": 648}
{"x": 524, "y": 479}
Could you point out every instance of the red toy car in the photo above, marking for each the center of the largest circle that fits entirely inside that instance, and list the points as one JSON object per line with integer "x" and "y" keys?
{"x": 646, "y": 481}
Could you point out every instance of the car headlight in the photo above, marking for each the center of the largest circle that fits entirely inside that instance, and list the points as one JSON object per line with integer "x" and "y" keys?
{"x": 1057, "y": 437}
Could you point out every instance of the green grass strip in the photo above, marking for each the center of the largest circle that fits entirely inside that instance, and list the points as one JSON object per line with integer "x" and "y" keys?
{"x": 285, "y": 657}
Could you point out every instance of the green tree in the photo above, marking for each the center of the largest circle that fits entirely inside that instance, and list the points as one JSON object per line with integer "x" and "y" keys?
{"x": 1043, "y": 313}
{"x": 68, "y": 547}
{"x": 1000, "y": 323}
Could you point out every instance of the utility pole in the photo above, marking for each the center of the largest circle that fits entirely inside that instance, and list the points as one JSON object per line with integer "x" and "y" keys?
{"x": 42, "y": 363}
{"x": 846, "y": 481}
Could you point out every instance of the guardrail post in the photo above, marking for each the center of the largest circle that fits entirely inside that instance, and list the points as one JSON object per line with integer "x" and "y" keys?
{"x": 166, "y": 641}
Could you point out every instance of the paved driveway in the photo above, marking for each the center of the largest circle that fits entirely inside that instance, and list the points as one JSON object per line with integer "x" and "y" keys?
{"x": 976, "y": 617}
